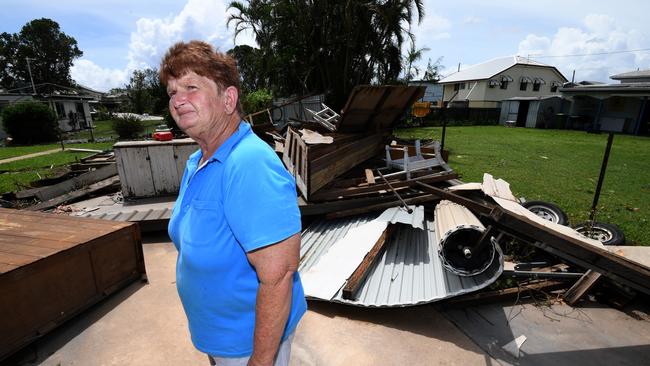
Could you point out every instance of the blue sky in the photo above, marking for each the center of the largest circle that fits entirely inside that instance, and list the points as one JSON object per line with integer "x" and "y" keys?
{"x": 120, "y": 36}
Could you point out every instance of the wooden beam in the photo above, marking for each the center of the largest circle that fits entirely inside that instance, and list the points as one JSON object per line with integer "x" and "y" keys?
{"x": 485, "y": 297}
{"x": 75, "y": 194}
{"x": 581, "y": 287}
{"x": 382, "y": 206}
{"x": 356, "y": 280}
{"x": 378, "y": 188}
{"x": 370, "y": 176}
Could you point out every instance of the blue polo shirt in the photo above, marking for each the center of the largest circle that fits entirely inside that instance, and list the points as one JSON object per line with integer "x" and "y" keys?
{"x": 242, "y": 199}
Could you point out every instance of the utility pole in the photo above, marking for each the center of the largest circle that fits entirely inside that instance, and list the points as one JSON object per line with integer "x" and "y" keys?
{"x": 29, "y": 69}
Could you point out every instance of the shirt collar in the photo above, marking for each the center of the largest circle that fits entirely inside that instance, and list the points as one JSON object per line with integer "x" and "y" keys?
{"x": 225, "y": 149}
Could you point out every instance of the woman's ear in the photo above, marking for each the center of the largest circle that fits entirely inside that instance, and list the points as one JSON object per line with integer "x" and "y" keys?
{"x": 231, "y": 96}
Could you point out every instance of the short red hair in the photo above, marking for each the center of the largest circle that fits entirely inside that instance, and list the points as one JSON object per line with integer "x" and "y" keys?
{"x": 201, "y": 58}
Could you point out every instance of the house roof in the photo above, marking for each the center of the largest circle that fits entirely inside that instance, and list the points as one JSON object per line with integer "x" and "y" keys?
{"x": 630, "y": 88}
{"x": 632, "y": 75}
{"x": 491, "y": 68}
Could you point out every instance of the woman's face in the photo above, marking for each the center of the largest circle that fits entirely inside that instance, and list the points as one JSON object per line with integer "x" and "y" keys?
{"x": 196, "y": 104}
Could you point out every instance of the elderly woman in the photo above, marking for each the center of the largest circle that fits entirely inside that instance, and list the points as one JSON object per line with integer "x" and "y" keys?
{"x": 236, "y": 222}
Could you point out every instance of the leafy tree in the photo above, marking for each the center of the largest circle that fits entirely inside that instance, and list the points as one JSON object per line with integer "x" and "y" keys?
{"x": 49, "y": 51}
{"x": 137, "y": 93}
{"x": 250, "y": 65}
{"x": 413, "y": 55}
{"x": 326, "y": 46}
{"x": 146, "y": 93}
{"x": 30, "y": 123}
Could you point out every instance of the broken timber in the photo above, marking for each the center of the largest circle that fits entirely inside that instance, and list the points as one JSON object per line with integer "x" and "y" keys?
{"x": 355, "y": 281}
{"x": 576, "y": 251}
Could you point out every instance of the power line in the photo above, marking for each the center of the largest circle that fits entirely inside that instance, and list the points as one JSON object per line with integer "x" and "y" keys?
{"x": 591, "y": 54}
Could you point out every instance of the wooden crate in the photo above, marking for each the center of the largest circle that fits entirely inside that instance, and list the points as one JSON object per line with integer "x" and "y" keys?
{"x": 152, "y": 168}
{"x": 314, "y": 166}
{"x": 52, "y": 267}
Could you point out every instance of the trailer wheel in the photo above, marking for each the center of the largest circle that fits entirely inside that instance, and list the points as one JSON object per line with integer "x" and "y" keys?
{"x": 547, "y": 211}
{"x": 608, "y": 234}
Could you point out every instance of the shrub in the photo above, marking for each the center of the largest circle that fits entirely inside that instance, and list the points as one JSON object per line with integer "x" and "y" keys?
{"x": 256, "y": 101}
{"x": 128, "y": 127}
{"x": 30, "y": 123}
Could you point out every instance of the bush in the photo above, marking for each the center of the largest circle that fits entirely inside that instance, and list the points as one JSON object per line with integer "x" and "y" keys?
{"x": 30, "y": 123}
{"x": 128, "y": 127}
{"x": 256, "y": 101}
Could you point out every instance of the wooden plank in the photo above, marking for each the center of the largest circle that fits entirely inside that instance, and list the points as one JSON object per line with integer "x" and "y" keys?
{"x": 370, "y": 176}
{"x": 16, "y": 259}
{"x": 135, "y": 171}
{"x": 95, "y": 187}
{"x": 486, "y": 297}
{"x": 383, "y": 206}
{"x": 17, "y": 223}
{"x": 581, "y": 287}
{"x": 182, "y": 154}
{"x": 163, "y": 169}
{"x": 356, "y": 280}
{"x": 82, "y": 180}
{"x": 351, "y": 191}
{"x": 336, "y": 167}
{"x": 30, "y": 250}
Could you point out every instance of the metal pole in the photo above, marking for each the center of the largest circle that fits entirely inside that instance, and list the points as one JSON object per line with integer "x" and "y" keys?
{"x": 603, "y": 168}
{"x": 444, "y": 132}
{"x": 408, "y": 209}
{"x": 29, "y": 68}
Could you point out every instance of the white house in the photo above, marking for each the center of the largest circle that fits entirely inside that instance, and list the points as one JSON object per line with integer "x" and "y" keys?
{"x": 487, "y": 84}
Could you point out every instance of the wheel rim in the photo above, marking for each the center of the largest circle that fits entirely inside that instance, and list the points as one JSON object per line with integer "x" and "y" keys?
{"x": 545, "y": 213}
{"x": 598, "y": 233}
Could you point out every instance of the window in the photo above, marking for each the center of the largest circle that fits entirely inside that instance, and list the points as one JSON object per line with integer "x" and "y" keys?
{"x": 457, "y": 87}
{"x": 505, "y": 79}
{"x": 524, "y": 81}
{"x": 493, "y": 82}
{"x": 536, "y": 86}
{"x": 554, "y": 86}
{"x": 60, "y": 111}
{"x": 462, "y": 86}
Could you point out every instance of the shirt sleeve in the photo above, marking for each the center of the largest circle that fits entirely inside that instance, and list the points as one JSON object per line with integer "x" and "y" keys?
{"x": 260, "y": 201}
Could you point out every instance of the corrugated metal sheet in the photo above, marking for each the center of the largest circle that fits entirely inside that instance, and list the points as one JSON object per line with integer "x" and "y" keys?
{"x": 135, "y": 215}
{"x": 489, "y": 68}
{"x": 409, "y": 271}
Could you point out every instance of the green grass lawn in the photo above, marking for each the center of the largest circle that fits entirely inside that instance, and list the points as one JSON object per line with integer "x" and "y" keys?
{"x": 18, "y": 174}
{"x": 557, "y": 166}
{"x": 10, "y": 152}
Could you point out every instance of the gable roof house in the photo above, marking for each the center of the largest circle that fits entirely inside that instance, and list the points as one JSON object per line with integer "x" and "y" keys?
{"x": 71, "y": 105}
{"x": 621, "y": 107}
{"x": 487, "y": 84}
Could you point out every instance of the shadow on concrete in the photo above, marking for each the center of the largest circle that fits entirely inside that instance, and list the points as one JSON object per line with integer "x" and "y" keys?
{"x": 423, "y": 320}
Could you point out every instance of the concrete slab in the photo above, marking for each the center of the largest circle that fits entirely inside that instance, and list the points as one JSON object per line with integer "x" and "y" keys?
{"x": 144, "y": 324}
{"x": 558, "y": 335}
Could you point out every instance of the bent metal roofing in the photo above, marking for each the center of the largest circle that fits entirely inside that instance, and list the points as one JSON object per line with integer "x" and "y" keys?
{"x": 409, "y": 272}
{"x": 491, "y": 68}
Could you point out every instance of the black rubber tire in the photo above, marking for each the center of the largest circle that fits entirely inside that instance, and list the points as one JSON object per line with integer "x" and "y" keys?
{"x": 608, "y": 234}
{"x": 548, "y": 211}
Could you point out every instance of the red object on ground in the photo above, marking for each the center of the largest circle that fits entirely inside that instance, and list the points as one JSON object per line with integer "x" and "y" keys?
{"x": 163, "y": 136}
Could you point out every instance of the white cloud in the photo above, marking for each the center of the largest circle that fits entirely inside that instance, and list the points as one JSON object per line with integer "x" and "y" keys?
{"x": 471, "y": 19}
{"x": 199, "y": 19}
{"x": 433, "y": 27}
{"x": 599, "y": 36}
{"x": 87, "y": 73}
